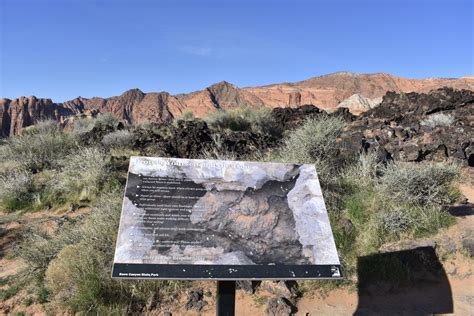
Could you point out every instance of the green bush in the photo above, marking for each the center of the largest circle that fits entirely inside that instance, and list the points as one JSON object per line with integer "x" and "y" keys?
{"x": 388, "y": 203}
{"x": 38, "y": 248}
{"x": 15, "y": 189}
{"x": 364, "y": 171}
{"x": 101, "y": 121}
{"x": 81, "y": 175}
{"x": 118, "y": 140}
{"x": 187, "y": 116}
{"x": 314, "y": 141}
{"x": 39, "y": 148}
{"x": 41, "y": 127}
{"x": 79, "y": 276}
{"x": 421, "y": 183}
{"x": 242, "y": 119}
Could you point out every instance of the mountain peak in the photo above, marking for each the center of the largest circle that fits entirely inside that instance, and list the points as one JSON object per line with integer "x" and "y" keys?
{"x": 223, "y": 85}
{"x": 340, "y": 73}
{"x": 133, "y": 91}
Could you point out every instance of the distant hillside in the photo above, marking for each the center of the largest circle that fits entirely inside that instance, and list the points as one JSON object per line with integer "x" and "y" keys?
{"x": 358, "y": 92}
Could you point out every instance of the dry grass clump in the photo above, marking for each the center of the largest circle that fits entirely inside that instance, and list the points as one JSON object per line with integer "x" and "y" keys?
{"x": 86, "y": 124}
{"x": 242, "y": 119}
{"x": 81, "y": 174}
{"x": 78, "y": 278}
{"x": 15, "y": 189}
{"x": 313, "y": 142}
{"x": 40, "y": 147}
{"x": 187, "y": 116}
{"x": 121, "y": 139}
{"x": 421, "y": 183}
{"x": 38, "y": 247}
{"x": 403, "y": 200}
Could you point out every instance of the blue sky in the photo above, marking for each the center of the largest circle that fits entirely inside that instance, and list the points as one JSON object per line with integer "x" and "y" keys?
{"x": 63, "y": 49}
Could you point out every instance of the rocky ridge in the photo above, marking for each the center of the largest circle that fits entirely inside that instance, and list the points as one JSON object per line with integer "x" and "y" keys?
{"x": 418, "y": 126}
{"x": 433, "y": 126}
{"x": 134, "y": 106}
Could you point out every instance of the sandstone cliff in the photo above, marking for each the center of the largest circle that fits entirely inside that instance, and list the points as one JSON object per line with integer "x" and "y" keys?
{"x": 358, "y": 92}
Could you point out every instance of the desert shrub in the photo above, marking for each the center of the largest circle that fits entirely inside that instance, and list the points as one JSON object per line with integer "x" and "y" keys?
{"x": 389, "y": 203}
{"x": 38, "y": 247}
{"x": 39, "y": 148}
{"x": 15, "y": 189}
{"x": 118, "y": 140}
{"x": 364, "y": 171}
{"x": 242, "y": 119}
{"x": 187, "y": 116}
{"x": 421, "y": 183}
{"x": 81, "y": 175}
{"x": 101, "y": 121}
{"x": 83, "y": 125}
{"x": 396, "y": 220}
{"x": 106, "y": 119}
{"x": 428, "y": 220}
{"x": 44, "y": 126}
{"x": 217, "y": 150}
{"x": 437, "y": 119}
{"x": 315, "y": 143}
{"x": 79, "y": 276}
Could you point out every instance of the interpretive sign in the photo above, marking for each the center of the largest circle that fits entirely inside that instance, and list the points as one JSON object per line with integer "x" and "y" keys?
{"x": 217, "y": 219}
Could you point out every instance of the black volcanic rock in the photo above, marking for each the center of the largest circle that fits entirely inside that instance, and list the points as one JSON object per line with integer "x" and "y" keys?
{"x": 286, "y": 118}
{"x": 417, "y": 126}
{"x": 190, "y": 138}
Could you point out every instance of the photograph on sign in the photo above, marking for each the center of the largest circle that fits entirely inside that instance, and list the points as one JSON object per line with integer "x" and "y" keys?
{"x": 217, "y": 219}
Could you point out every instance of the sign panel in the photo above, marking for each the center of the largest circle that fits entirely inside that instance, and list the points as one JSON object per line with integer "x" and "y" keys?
{"x": 215, "y": 219}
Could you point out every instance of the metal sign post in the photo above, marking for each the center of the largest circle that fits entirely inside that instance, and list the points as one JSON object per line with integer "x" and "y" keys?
{"x": 196, "y": 219}
{"x": 225, "y": 299}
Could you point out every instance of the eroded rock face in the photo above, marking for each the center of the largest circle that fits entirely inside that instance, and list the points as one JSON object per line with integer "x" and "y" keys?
{"x": 408, "y": 127}
{"x": 358, "y": 103}
{"x": 357, "y": 92}
{"x": 328, "y": 91}
{"x": 25, "y": 111}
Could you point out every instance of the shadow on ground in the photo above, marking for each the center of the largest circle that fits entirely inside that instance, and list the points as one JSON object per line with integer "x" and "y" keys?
{"x": 462, "y": 210}
{"x": 409, "y": 282}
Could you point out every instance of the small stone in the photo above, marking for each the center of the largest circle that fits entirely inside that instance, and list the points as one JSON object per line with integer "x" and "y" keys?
{"x": 346, "y": 225}
{"x": 448, "y": 245}
{"x": 247, "y": 285}
{"x": 468, "y": 245}
{"x": 196, "y": 300}
{"x": 279, "y": 306}
{"x": 287, "y": 289}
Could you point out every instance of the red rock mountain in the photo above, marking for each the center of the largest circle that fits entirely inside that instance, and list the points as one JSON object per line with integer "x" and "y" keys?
{"x": 359, "y": 91}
